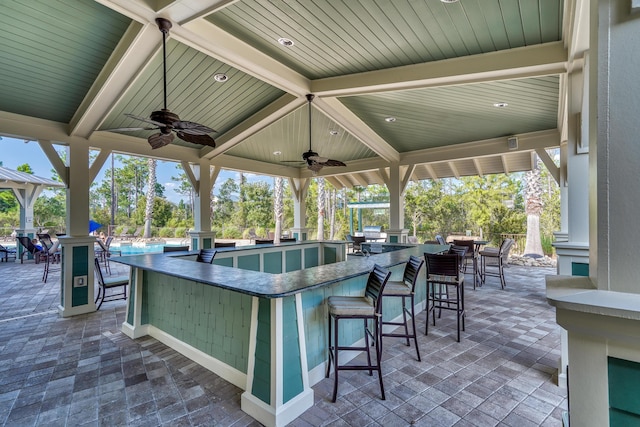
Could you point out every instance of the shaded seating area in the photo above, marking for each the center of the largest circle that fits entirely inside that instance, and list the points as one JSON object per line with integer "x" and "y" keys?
{"x": 108, "y": 283}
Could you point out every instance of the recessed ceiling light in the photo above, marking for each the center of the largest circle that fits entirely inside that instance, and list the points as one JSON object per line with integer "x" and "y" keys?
{"x": 500, "y": 104}
{"x": 449, "y": 1}
{"x": 333, "y": 132}
{"x": 285, "y": 42}
{"x": 277, "y": 153}
{"x": 389, "y": 119}
{"x": 220, "y": 77}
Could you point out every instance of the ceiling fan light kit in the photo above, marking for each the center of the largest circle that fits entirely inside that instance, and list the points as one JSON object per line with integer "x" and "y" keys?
{"x": 315, "y": 162}
{"x": 166, "y": 121}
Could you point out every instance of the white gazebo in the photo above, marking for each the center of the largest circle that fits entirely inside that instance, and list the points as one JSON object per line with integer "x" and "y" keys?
{"x": 26, "y": 187}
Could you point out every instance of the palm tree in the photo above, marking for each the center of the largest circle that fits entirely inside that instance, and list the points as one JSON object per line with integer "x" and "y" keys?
{"x": 533, "y": 209}
{"x": 321, "y": 206}
{"x": 278, "y": 207}
{"x": 151, "y": 195}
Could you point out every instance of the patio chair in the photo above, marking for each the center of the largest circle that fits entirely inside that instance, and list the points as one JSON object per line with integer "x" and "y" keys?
{"x": 356, "y": 243}
{"x": 367, "y": 309}
{"x": 263, "y": 241}
{"x": 443, "y": 272}
{"x": 493, "y": 261}
{"x": 50, "y": 254}
{"x": 405, "y": 289}
{"x": 104, "y": 252}
{"x": 224, "y": 244}
{"x": 412, "y": 239}
{"x": 252, "y": 235}
{"x": 470, "y": 255}
{"x": 109, "y": 283}
{"x": 5, "y": 253}
{"x": 440, "y": 240}
{"x": 30, "y": 248}
{"x": 166, "y": 249}
{"x": 206, "y": 255}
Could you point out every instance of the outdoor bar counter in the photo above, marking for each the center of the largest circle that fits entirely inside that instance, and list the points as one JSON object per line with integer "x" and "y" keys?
{"x": 230, "y": 316}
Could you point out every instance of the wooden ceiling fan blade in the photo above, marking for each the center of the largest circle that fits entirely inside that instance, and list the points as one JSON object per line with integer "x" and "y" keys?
{"x": 331, "y": 162}
{"x": 144, "y": 119}
{"x": 128, "y": 129}
{"x": 192, "y": 128}
{"x": 318, "y": 159}
{"x": 196, "y": 138}
{"x": 158, "y": 140}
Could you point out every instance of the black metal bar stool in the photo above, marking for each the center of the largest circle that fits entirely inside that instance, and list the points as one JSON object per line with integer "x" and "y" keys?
{"x": 443, "y": 272}
{"x": 368, "y": 308}
{"x": 405, "y": 289}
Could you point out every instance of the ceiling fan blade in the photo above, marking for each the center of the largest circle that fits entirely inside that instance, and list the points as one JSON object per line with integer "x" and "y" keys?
{"x": 192, "y": 128}
{"x": 314, "y": 167}
{"x": 318, "y": 159}
{"x": 202, "y": 139}
{"x": 331, "y": 162}
{"x": 158, "y": 140}
{"x": 128, "y": 129}
{"x": 144, "y": 119}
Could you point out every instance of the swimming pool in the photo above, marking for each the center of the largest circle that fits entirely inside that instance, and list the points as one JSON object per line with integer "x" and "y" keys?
{"x": 142, "y": 249}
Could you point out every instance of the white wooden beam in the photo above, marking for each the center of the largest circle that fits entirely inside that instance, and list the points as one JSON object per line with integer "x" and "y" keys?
{"x": 406, "y": 177}
{"x": 56, "y": 161}
{"x": 478, "y": 166}
{"x": 529, "y": 61}
{"x": 97, "y": 164}
{"x": 191, "y": 177}
{"x": 553, "y": 169}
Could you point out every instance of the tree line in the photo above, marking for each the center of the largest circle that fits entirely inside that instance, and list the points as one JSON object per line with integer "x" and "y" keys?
{"x": 489, "y": 205}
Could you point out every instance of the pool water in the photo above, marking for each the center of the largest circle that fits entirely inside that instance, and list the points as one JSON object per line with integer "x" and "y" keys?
{"x": 137, "y": 250}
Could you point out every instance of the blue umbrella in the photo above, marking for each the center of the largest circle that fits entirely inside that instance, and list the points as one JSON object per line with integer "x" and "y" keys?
{"x": 93, "y": 226}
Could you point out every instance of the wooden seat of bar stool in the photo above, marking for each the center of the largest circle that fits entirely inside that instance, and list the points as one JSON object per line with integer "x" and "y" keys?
{"x": 368, "y": 308}
{"x": 405, "y": 289}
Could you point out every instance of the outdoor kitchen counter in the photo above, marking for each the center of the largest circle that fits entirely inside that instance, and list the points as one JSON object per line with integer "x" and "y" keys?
{"x": 269, "y": 285}
{"x": 259, "y": 318}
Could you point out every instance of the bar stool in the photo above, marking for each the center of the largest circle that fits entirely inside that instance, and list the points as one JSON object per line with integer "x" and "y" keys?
{"x": 443, "y": 271}
{"x": 367, "y": 307}
{"x": 405, "y": 289}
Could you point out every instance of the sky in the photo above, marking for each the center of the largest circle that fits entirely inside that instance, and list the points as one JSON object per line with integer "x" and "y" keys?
{"x": 15, "y": 152}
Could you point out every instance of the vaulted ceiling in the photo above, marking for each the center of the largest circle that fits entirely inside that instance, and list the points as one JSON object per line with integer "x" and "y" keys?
{"x": 433, "y": 86}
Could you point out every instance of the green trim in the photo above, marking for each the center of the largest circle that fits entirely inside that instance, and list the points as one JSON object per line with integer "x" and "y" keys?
{"x": 330, "y": 255}
{"x": 580, "y": 269}
{"x": 194, "y": 244}
{"x": 227, "y": 262}
{"x": 132, "y": 296}
{"x": 292, "y": 368}
{"x": 624, "y": 388}
{"x": 206, "y": 243}
{"x": 80, "y": 267}
{"x": 311, "y": 257}
{"x": 261, "y": 387}
{"x": 293, "y": 260}
{"x": 249, "y": 262}
{"x": 273, "y": 262}
{"x": 393, "y": 239}
{"x": 63, "y": 263}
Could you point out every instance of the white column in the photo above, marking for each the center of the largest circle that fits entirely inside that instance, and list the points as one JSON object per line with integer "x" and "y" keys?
{"x": 396, "y": 182}
{"x": 77, "y": 277}
{"x": 299, "y": 187}
{"x": 202, "y": 237}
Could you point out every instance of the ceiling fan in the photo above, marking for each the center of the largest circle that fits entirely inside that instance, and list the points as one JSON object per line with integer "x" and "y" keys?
{"x": 311, "y": 158}
{"x": 164, "y": 120}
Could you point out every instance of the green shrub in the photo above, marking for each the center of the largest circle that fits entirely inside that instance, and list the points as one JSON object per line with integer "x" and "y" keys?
{"x": 231, "y": 233}
{"x": 180, "y": 232}
{"x": 166, "y": 232}
{"x": 547, "y": 247}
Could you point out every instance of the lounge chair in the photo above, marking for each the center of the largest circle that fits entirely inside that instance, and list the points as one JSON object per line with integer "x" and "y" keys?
{"x": 5, "y": 253}
{"x": 30, "y": 248}
{"x": 104, "y": 252}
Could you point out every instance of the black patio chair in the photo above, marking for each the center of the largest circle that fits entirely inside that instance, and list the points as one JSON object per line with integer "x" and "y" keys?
{"x": 166, "y": 249}
{"x": 206, "y": 255}
{"x": 109, "y": 283}
{"x": 5, "y": 253}
{"x": 30, "y": 248}
{"x": 50, "y": 254}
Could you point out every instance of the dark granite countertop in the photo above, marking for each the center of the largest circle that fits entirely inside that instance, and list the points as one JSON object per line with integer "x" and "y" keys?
{"x": 268, "y": 285}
